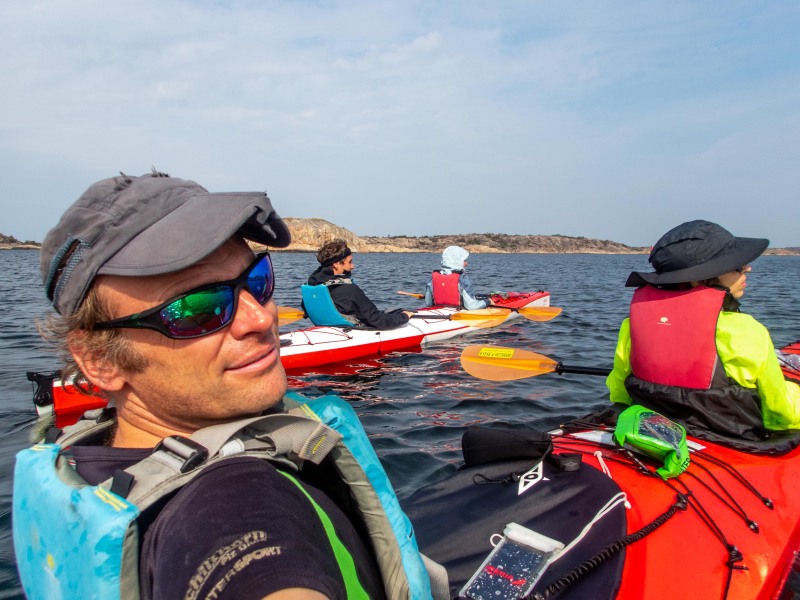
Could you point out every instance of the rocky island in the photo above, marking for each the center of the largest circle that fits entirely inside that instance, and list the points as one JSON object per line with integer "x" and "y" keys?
{"x": 309, "y": 234}
{"x": 8, "y": 242}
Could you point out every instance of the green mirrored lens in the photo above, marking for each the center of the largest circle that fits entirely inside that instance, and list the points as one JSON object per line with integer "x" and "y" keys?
{"x": 199, "y": 312}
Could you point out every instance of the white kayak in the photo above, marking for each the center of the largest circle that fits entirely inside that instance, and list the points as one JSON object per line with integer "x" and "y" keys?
{"x": 317, "y": 346}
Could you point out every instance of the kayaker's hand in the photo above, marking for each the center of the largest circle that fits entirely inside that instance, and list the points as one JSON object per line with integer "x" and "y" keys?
{"x": 408, "y": 313}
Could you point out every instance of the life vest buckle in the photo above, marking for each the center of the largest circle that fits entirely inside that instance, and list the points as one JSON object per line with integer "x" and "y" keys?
{"x": 180, "y": 452}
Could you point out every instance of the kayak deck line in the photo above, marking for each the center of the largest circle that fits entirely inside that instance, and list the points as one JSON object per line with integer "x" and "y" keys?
{"x": 765, "y": 538}
{"x": 336, "y": 334}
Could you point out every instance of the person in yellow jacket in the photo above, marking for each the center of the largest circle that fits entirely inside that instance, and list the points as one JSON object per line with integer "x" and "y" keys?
{"x": 686, "y": 349}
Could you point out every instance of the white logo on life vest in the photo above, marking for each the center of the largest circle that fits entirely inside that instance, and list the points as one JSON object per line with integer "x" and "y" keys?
{"x": 531, "y": 478}
{"x": 664, "y": 321}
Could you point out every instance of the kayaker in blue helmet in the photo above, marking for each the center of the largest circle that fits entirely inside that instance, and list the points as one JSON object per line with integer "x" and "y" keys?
{"x": 335, "y": 272}
{"x": 450, "y": 285}
{"x": 687, "y": 351}
{"x": 183, "y": 488}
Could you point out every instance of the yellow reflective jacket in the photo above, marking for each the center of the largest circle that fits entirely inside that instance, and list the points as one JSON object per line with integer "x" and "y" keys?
{"x": 746, "y": 351}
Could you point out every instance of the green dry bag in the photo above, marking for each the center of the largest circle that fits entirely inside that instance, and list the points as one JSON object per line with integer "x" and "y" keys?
{"x": 656, "y": 436}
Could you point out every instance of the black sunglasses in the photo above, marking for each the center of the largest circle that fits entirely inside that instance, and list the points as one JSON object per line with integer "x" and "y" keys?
{"x": 205, "y": 309}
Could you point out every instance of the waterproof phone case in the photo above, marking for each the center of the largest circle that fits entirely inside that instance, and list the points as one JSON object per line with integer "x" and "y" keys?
{"x": 513, "y": 567}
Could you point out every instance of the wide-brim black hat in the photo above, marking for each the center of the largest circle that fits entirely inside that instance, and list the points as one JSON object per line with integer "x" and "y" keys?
{"x": 696, "y": 251}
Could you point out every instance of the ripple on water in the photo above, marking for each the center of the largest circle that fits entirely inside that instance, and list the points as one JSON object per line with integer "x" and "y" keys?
{"x": 416, "y": 405}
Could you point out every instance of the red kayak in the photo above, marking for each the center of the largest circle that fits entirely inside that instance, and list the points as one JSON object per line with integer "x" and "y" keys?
{"x": 726, "y": 528}
{"x": 789, "y": 357}
{"x": 738, "y": 537}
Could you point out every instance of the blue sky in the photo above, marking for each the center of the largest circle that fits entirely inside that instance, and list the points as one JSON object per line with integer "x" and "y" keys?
{"x": 603, "y": 119}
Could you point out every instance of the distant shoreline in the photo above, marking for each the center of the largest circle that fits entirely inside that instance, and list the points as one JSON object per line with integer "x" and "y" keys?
{"x": 768, "y": 252}
{"x": 309, "y": 234}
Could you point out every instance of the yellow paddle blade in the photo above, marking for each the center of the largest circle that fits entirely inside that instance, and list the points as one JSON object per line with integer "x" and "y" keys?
{"x": 497, "y": 363}
{"x": 481, "y": 313}
{"x": 287, "y": 314}
{"x": 539, "y": 313}
{"x": 484, "y": 317}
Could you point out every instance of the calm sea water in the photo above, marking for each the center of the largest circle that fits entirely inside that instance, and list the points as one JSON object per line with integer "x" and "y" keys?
{"x": 416, "y": 405}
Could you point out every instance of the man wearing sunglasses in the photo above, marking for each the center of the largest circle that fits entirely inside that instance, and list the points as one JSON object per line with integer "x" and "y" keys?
{"x": 165, "y": 309}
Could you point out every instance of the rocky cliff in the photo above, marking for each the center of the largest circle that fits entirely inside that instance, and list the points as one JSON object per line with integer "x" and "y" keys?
{"x": 309, "y": 234}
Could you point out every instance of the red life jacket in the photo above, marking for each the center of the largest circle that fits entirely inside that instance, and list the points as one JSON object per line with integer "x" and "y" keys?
{"x": 446, "y": 291}
{"x": 673, "y": 335}
{"x": 677, "y": 372}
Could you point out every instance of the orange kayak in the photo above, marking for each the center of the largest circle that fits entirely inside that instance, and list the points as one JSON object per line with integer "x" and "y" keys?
{"x": 749, "y": 502}
{"x": 735, "y": 537}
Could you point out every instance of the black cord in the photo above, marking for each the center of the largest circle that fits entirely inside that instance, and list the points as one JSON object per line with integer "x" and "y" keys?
{"x": 609, "y": 551}
{"x": 736, "y": 475}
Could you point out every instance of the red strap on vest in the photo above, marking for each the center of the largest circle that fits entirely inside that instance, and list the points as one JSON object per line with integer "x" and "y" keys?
{"x": 673, "y": 335}
{"x": 445, "y": 289}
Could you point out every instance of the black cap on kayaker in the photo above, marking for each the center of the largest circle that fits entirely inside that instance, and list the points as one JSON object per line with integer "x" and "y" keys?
{"x": 696, "y": 251}
{"x": 148, "y": 225}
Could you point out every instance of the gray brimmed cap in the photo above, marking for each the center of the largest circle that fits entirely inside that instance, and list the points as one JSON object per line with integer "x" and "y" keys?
{"x": 696, "y": 251}
{"x": 148, "y": 225}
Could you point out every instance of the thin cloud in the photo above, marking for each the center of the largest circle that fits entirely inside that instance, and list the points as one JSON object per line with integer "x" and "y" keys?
{"x": 602, "y": 119}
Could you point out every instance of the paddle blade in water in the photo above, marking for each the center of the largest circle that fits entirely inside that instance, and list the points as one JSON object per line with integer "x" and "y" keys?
{"x": 539, "y": 313}
{"x": 484, "y": 317}
{"x": 496, "y": 363}
{"x": 287, "y": 314}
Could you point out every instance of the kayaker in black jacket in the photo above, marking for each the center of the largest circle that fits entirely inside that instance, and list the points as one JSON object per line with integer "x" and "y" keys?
{"x": 335, "y": 266}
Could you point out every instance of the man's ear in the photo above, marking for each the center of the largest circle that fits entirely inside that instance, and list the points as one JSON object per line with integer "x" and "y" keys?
{"x": 97, "y": 368}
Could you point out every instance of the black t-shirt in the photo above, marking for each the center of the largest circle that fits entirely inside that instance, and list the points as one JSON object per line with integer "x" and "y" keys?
{"x": 239, "y": 530}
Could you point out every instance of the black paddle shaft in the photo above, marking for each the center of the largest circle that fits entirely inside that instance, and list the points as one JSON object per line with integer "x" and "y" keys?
{"x": 562, "y": 368}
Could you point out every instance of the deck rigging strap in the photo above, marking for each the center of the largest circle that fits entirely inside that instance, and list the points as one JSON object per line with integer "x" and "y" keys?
{"x": 681, "y": 503}
{"x": 736, "y": 475}
{"x": 735, "y": 556}
{"x": 728, "y": 499}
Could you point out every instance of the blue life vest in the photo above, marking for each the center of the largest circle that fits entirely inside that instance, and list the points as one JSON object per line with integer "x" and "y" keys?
{"x": 320, "y": 308}
{"x": 77, "y": 541}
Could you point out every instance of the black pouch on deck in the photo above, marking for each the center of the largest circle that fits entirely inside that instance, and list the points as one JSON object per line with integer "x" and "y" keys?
{"x": 482, "y": 445}
{"x": 455, "y": 520}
